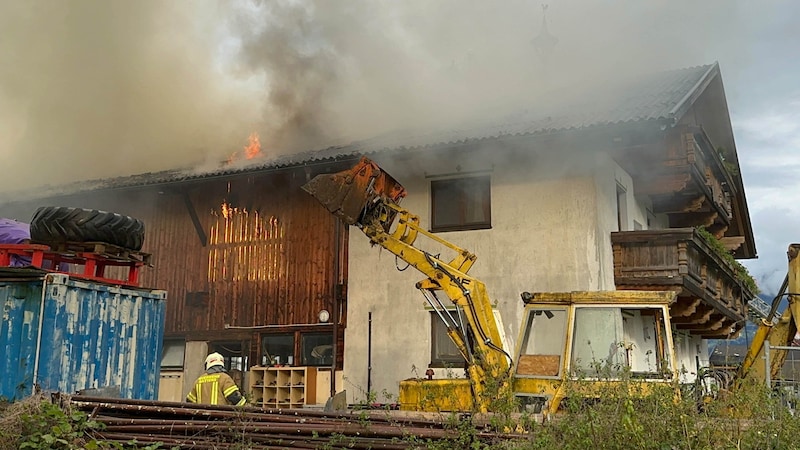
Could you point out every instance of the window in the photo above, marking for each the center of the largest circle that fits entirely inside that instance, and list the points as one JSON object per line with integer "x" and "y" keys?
{"x": 461, "y": 204}
{"x": 277, "y": 349}
{"x": 622, "y": 208}
{"x": 543, "y": 343}
{"x": 609, "y": 340}
{"x": 231, "y": 351}
{"x": 317, "y": 349}
{"x": 444, "y": 352}
{"x": 172, "y": 355}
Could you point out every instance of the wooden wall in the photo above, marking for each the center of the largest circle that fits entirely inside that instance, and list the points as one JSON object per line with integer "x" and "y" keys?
{"x": 267, "y": 258}
{"x": 271, "y": 258}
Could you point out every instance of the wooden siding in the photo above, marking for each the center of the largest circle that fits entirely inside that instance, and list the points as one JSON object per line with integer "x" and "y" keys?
{"x": 274, "y": 260}
{"x": 268, "y": 257}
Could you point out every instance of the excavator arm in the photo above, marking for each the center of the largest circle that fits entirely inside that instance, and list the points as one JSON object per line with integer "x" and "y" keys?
{"x": 778, "y": 334}
{"x": 367, "y": 197}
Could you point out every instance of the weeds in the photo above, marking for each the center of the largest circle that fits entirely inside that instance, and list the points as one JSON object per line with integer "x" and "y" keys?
{"x": 627, "y": 413}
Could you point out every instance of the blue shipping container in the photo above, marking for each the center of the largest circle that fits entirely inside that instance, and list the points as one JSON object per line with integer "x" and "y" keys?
{"x": 67, "y": 334}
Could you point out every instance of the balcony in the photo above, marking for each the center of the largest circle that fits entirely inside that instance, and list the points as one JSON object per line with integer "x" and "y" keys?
{"x": 711, "y": 300}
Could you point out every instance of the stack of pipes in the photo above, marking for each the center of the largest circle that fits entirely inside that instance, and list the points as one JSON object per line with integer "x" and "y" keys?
{"x": 227, "y": 427}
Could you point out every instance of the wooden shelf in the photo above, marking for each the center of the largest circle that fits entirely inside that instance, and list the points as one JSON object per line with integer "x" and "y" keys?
{"x": 283, "y": 387}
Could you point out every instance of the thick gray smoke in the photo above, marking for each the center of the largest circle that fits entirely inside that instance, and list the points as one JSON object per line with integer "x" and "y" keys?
{"x": 91, "y": 89}
{"x": 97, "y": 88}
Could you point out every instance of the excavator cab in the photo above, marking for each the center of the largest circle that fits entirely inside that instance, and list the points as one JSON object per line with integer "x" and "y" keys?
{"x": 591, "y": 338}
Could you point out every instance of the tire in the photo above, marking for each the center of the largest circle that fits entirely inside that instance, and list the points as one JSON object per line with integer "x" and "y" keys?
{"x": 55, "y": 224}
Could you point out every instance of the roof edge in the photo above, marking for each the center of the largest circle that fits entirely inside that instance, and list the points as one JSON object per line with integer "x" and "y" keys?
{"x": 690, "y": 97}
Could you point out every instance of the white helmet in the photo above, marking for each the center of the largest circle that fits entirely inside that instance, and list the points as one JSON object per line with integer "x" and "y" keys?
{"x": 214, "y": 359}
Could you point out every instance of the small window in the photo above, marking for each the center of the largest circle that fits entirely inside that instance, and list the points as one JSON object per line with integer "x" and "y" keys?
{"x": 444, "y": 352}
{"x": 543, "y": 343}
{"x": 317, "y": 349}
{"x": 277, "y": 349}
{"x": 622, "y": 208}
{"x": 461, "y": 204}
{"x": 172, "y": 355}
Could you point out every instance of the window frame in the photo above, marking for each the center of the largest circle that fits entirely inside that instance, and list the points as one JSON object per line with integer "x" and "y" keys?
{"x": 298, "y": 334}
{"x": 166, "y": 353}
{"x": 303, "y": 336}
{"x": 436, "y": 361}
{"x": 439, "y": 189}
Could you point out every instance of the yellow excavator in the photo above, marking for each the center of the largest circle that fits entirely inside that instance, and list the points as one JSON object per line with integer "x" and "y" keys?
{"x": 764, "y": 362}
{"x": 563, "y": 335}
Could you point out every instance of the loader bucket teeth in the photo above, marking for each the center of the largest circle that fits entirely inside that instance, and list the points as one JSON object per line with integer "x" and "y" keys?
{"x": 350, "y": 193}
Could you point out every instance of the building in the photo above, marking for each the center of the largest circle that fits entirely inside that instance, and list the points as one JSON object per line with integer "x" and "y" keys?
{"x": 602, "y": 192}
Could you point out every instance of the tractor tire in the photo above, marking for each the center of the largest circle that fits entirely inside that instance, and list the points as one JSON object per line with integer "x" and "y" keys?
{"x": 55, "y": 224}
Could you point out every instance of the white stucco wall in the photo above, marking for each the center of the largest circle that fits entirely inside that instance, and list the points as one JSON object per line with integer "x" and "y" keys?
{"x": 552, "y": 215}
{"x": 551, "y": 221}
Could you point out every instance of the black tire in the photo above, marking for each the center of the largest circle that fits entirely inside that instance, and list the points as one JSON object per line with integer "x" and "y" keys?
{"x": 55, "y": 224}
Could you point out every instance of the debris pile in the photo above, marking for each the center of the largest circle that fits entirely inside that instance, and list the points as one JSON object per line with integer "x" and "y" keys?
{"x": 226, "y": 427}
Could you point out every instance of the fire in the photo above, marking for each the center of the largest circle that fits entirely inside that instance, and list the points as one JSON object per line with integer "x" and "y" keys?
{"x": 226, "y": 210}
{"x": 251, "y": 150}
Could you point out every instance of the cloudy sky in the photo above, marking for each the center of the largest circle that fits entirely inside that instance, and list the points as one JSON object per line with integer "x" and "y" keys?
{"x": 97, "y": 88}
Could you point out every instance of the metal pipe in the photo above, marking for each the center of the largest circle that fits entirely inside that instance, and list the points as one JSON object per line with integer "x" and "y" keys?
{"x": 336, "y": 273}
{"x": 39, "y": 333}
{"x": 767, "y": 366}
{"x": 369, "y": 352}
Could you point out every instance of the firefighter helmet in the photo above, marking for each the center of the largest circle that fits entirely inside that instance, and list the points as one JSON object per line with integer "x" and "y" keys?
{"x": 214, "y": 359}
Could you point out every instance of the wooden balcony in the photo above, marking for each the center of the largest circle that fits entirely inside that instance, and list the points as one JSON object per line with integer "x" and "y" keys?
{"x": 711, "y": 301}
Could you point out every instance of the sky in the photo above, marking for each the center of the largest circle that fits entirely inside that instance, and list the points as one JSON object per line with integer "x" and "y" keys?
{"x": 100, "y": 88}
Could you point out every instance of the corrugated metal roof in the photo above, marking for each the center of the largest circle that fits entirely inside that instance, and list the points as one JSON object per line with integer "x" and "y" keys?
{"x": 660, "y": 97}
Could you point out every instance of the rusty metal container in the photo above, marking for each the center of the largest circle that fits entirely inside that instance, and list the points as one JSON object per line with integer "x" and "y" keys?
{"x": 65, "y": 334}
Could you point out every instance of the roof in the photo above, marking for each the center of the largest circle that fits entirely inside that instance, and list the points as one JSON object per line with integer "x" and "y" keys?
{"x": 660, "y": 97}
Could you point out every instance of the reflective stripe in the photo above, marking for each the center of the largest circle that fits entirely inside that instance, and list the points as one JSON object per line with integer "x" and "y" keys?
{"x": 230, "y": 390}
{"x": 191, "y": 398}
{"x": 242, "y": 401}
{"x": 215, "y": 393}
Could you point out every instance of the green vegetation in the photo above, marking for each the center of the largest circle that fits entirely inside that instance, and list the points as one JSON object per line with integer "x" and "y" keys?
{"x": 740, "y": 272}
{"x": 39, "y": 424}
{"x": 621, "y": 415}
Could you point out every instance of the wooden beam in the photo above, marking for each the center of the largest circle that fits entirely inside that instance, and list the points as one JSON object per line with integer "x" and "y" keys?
{"x": 670, "y": 183}
{"x": 702, "y": 315}
{"x": 201, "y": 233}
{"x": 725, "y": 332}
{"x": 684, "y": 307}
{"x": 732, "y": 243}
{"x": 678, "y": 204}
{"x": 707, "y": 326}
{"x": 683, "y": 220}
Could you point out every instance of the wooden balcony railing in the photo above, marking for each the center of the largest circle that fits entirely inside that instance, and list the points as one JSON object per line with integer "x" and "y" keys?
{"x": 711, "y": 300}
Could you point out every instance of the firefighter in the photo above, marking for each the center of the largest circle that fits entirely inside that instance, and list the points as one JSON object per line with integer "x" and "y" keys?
{"x": 215, "y": 387}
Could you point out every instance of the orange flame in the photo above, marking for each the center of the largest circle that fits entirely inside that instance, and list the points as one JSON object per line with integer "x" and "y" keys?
{"x": 226, "y": 210}
{"x": 251, "y": 150}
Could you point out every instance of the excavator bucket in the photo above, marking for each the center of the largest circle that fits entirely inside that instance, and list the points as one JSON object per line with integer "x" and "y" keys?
{"x": 351, "y": 194}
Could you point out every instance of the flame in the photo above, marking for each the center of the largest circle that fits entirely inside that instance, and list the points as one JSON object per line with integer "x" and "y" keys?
{"x": 226, "y": 210}
{"x": 251, "y": 150}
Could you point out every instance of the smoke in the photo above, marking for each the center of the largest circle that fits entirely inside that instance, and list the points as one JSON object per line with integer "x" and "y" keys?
{"x": 96, "y": 88}
{"x": 92, "y": 89}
